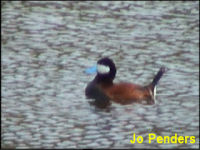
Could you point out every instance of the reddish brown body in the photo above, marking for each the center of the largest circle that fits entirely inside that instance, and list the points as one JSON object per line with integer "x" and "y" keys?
{"x": 126, "y": 93}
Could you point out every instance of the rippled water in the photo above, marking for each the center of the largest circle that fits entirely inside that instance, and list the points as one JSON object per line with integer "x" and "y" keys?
{"x": 46, "y": 47}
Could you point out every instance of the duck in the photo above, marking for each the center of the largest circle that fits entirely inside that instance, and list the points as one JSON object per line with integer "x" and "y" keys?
{"x": 104, "y": 90}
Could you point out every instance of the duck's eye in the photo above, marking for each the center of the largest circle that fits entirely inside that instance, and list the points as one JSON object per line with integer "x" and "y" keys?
{"x": 103, "y": 69}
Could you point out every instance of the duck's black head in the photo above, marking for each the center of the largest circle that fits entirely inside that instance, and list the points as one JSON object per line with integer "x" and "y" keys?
{"x": 106, "y": 70}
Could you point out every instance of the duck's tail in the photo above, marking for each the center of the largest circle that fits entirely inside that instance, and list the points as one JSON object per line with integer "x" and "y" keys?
{"x": 157, "y": 77}
{"x": 152, "y": 86}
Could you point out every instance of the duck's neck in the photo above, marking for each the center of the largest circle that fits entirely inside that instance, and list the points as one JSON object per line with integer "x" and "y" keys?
{"x": 105, "y": 81}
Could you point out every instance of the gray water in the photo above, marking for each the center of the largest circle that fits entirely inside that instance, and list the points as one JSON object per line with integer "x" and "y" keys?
{"x": 46, "y": 46}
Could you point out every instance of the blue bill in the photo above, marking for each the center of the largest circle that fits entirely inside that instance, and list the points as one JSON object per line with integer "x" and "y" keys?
{"x": 91, "y": 70}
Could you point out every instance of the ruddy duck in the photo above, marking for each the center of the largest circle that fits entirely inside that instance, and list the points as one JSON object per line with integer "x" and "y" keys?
{"x": 104, "y": 90}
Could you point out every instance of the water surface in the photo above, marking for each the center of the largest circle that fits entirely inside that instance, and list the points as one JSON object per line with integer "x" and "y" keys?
{"x": 46, "y": 47}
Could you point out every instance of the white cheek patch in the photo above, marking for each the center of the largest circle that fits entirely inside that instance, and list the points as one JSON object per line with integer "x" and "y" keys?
{"x": 103, "y": 69}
